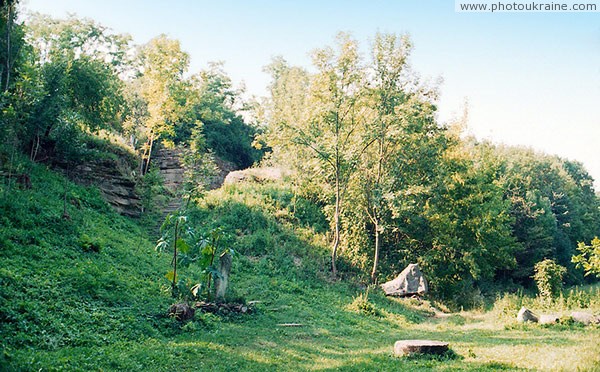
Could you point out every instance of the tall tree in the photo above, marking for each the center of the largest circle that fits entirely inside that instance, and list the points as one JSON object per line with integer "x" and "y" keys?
{"x": 163, "y": 65}
{"x": 220, "y": 107}
{"x": 10, "y": 40}
{"x": 388, "y": 95}
{"x": 326, "y": 123}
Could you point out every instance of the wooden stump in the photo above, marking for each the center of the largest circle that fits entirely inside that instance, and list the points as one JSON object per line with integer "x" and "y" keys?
{"x": 222, "y": 282}
{"x": 408, "y": 347}
{"x": 181, "y": 312}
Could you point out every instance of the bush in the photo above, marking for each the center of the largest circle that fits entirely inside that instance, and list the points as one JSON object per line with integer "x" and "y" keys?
{"x": 548, "y": 278}
{"x": 362, "y": 305}
{"x": 589, "y": 258}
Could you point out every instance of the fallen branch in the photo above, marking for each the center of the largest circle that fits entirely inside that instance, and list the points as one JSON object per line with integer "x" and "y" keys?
{"x": 290, "y": 325}
{"x": 223, "y": 308}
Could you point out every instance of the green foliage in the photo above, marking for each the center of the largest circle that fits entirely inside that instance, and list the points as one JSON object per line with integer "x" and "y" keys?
{"x": 89, "y": 245}
{"x": 589, "y": 257}
{"x": 151, "y": 190}
{"x": 227, "y": 133}
{"x": 11, "y": 42}
{"x": 190, "y": 250}
{"x": 398, "y": 188}
{"x": 362, "y": 305}
{"x": 79, "y": 292}
{"x": 82, "y": 311}
{"x": 554, "y": 206}
{"x": 548, "y": 278}
{"x": 81, "y": 88}
{"x": 73, "y": 283}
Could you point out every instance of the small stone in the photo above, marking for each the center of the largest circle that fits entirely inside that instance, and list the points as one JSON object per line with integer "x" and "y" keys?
{"x": 408, "y": 347}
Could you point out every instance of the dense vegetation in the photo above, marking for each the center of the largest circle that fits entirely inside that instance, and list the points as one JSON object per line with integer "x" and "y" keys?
{"x": 372, "y": 183}
{"x": 398, "y": 187}
{"x": 89, "y": 294}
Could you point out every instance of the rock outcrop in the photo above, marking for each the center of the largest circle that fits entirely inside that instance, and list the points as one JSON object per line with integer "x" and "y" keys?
{"x": 115, "y": 180}
{"x": 169, "y": 164}
{"x": 258, "y": 175}
{"x": 171, "y": 168}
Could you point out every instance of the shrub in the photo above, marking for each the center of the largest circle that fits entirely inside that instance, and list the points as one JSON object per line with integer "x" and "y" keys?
{"x": 548, "y": 278}
{"x": 589, "y": 258}
{"x": 362, "y": 305}
{"x": 87, "y": 244}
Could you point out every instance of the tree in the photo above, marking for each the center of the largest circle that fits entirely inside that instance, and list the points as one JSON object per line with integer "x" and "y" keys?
{"x": 401, "y": 121}
{"x": 589, "y": 257}
{"x": 78, "y": 62}
{"x": 286, "y": 108}
{"x": 548, "y": 278}
{"x": 11, "y": 39}
{"x": 74, "y": 37}
{"x": 218, "y": 106}
{"x": 554, "y": 206}
{"x": 163, "y": 65}
{"x": 327, "y": 123}
{"x": 470, "y": 225}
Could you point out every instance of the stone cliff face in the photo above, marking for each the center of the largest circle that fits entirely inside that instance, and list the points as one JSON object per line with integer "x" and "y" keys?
{"x": 115, "y": 180}
{"x": 169, "y": 163}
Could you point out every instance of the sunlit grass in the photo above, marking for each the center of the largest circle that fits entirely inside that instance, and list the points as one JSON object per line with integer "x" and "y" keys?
{"x": 105, "y": 311}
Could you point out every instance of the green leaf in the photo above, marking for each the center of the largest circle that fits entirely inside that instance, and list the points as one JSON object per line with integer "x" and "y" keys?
{"x": 170, "y": 275}
{"x": 161, "y": 246}
{"x": 182, "y": 246}
{"x": 195, "y": 289}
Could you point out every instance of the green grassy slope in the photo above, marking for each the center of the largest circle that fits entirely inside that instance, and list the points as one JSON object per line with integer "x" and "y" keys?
{"x": 65, "y": 307}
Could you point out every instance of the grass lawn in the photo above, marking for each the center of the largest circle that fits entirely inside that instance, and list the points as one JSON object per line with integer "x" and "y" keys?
{"x": 66, "y": 307}
{"x": 334, "y": 337}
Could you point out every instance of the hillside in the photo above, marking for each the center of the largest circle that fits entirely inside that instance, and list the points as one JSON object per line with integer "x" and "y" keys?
{"x": 87, "y": 292}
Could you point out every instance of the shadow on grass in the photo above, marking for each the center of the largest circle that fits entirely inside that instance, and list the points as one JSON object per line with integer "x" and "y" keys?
{"x": 388, "y": 362}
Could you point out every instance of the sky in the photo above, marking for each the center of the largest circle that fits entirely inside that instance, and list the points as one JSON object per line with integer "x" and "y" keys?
{"x": 528, "y": 79}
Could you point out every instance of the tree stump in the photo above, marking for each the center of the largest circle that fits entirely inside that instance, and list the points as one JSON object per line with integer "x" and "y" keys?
{"x": 408, "y": 347}
{"x": 222, "y": 281}
{"x": 181, "y": 312}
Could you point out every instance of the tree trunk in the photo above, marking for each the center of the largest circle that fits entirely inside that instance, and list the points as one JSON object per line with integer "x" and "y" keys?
{"x": 173, "y": 284}
{"x": 336, "y": 226}
{"x": 376, "y": 206}
{"x": 8, "y": 46}
{"x": 376, "y": 255}
{"x": 149, "y": 154}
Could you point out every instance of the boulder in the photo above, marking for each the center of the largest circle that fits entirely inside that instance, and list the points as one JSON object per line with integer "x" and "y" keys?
{"x": 548, "y": 319}
{"x": 410, "y": 282}
{"x": 526, "y": 315}
{"x": 408, "y": 347}
{"x": 256, "y": 175}
{"x": 585, "y": 318}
